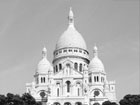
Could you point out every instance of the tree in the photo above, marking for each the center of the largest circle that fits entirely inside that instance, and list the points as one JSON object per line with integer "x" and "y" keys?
{"x": 2, "y": 99}
{"x": 38, "y": 103}
{"x": 9, "y": 99}
{"x": 109, "y": 103}
{"x": 28, "y": 99}
{"x": 12, "y": 99}
{"x": 130, "y": 100}
{"x": 17, "y": 100}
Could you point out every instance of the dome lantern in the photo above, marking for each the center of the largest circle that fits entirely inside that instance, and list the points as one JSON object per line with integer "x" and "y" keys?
{"x": 71, "y": 17}
{"x": 95, "y": 51}
{"x": 44, "y": 52}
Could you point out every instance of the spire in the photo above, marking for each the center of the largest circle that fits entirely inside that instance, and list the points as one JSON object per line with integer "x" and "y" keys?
{"x": 95, "y": 51}
{"x": 71, "y": 17}
{"x": 44, "y": 52}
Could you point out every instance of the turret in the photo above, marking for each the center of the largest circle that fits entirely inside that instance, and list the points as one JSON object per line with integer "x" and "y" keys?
{"x": 43, "y": 68}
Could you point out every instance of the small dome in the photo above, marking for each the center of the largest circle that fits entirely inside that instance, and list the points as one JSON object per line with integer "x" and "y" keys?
{"x": 71, "y": 37}
{"x": 44, "y": 65}
{"x": 96, "y": 64}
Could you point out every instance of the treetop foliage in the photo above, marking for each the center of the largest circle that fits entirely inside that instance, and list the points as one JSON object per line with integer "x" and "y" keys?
{"x": 27, "y": 99}
{"x": 127, "y": 100}
{"x": 11, "y": 99}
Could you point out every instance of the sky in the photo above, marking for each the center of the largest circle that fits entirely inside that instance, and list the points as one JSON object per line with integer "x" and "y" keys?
{"x": 27, "y": 25}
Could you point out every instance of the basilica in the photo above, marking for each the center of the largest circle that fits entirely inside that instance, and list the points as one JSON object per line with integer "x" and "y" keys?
{"x": 72, "y": 78}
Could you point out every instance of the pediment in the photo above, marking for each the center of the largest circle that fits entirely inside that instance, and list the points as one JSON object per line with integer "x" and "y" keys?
{"x": 68, "y": 72}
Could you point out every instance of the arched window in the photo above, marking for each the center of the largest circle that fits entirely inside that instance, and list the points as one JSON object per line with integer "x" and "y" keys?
{"x": 60, "y": 66}
{"x": 44, "y": 79}
{"x": 57, "y": 92}
{"x": 70, "y": 50}
{"x": 67, "y": 103}
{"x": 96, "y": 103}
{"x": 94, "y": 78}
{"x": 90, "y": 79}
{"x": 65, "y": 51}
{"x": 78, "y": 92}
{"x": 56, "y": 103}
{"x": 41, "y": 79}
{"x": 68, "y": 86}
{"x": 56, "y": 69}
{"x": 76, "y": 66}
{"x": 78, "y": 88}
{"x": 78, "y": 103}
{"x": 80, "y": 67}
{"x": 97, "y": 78}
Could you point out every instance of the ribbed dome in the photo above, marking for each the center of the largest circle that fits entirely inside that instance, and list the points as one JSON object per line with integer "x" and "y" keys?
{"x": 44, "y": 65}
{"x": 71, "y": 38}
{"x": 96, "y": 64}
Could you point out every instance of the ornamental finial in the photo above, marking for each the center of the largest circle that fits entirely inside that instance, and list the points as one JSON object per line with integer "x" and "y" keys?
{"x": 44, "y": 52}
{"x": 71, "y": 17}
{"x": 95, "y": 51}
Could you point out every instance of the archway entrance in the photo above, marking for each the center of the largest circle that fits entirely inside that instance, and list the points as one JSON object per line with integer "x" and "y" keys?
{"x": 56, "y": 103}
{"x": 78, "y": 103}
{"x": 67, "y": 103}
{"x": 96, "y": 103}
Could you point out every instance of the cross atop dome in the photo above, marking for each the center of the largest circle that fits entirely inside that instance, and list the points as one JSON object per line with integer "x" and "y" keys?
{"x": 95, "y": 51}
{"x": 71, "y": 17}
{"x": 44, "y": 52}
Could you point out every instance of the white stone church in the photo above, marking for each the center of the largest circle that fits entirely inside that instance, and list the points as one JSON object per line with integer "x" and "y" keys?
{"x": 71, "y": 79}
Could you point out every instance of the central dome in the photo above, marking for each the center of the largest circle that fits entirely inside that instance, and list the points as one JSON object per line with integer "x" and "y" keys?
{"x": 71, "y": 37}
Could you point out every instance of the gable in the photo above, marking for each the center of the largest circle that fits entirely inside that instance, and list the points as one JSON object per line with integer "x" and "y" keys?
{"x": 68, "y": 72}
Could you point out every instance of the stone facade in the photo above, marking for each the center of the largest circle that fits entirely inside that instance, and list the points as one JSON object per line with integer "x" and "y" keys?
{"x": 71, "y": 78}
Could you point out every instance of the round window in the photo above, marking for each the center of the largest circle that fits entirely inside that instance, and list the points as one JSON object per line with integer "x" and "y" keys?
{"x": 96, "y": 93}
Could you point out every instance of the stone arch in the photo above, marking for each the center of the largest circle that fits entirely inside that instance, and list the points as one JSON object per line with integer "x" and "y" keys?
{"x": 90, "y": 79}
{"x": 96, "y": 103}
{"x": 67, "y": 61}
{"x": 58, "y": 82}
{"x": 78, "y": 82}
{"x": 76, "y": 66}
{"x": 56, "y": 103}
{"x": 60, "y": 66}
{"x": 80, "y": 67}
{"x": 67, "y": 103}
{"x": 43, "y": 95}
{"x": 56, "y": 68}
{"x": 78, "y": 87}
{"x": 78, "y": 103}
{"x": 68, "y": 83}
{"x": 42, "y": 91}
{"x": 96, "y": 89}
